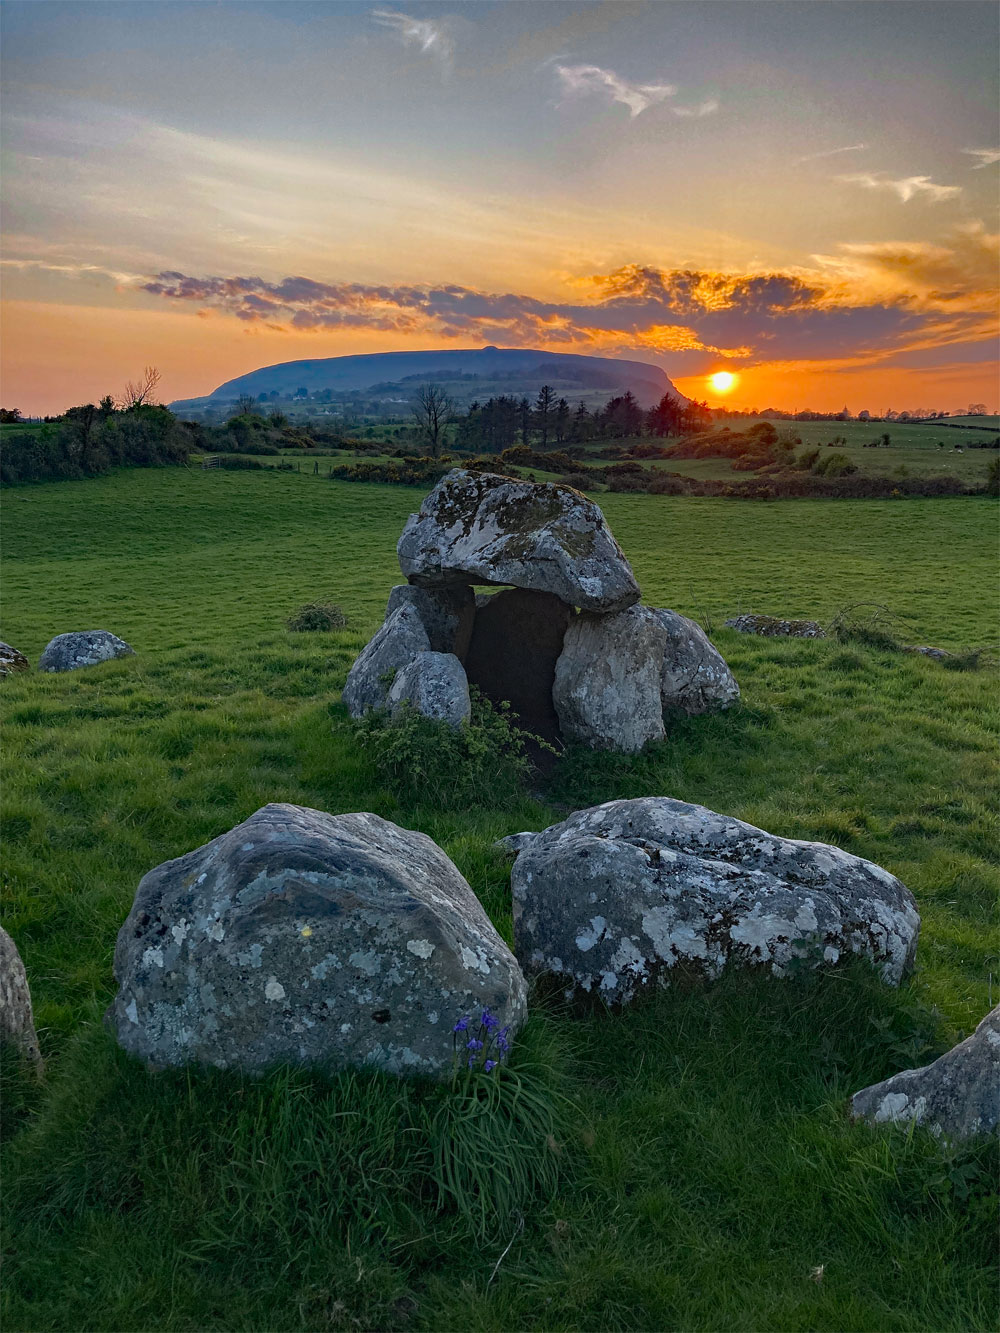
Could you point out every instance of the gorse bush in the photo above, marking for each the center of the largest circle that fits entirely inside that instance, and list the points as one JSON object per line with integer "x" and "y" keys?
{"x": 317, "y": 616}
{"x": 432, "y": 763}
{"x": 90, "y": 440}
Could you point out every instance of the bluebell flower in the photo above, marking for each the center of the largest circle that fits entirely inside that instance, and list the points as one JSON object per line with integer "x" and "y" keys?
{"x": 474, "y": 1044}
{"x": 472, "y": 1061}
{"x": 488, "y": 1021}
{"x": 490, "y": 1064}
{"x": 461, "y": 1025}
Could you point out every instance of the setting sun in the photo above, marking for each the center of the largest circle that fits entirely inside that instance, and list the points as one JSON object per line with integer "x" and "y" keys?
{"x": 722, "y": 381}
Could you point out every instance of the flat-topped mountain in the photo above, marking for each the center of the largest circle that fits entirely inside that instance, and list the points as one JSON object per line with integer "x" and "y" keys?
{"x": 466, "y": 374}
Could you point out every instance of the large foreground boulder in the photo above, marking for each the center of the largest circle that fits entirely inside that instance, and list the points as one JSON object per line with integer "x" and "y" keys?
{"x": 616, "y": 898}
{"x": 312, "y": 939}
{"x": 17, "y": 1022}
{"x": 394, "y": 646}
{"x": 82, "y": 648}
{"x": 694, "y": 678}
{"x": 12, "y": 661}
{"x": 956, "y": 1097}
{"x": 435, "y": 685}
{"x": 606, "y": 690}
{"x": 483, "y": 528}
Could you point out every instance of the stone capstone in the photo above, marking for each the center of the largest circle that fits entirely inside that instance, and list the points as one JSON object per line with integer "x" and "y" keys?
{"x": 311, "y": 939}
{"x": 606, "y": 690}
{"x": 435, "y": 685}
{"x": 695, "y": 677}
{"x": 483, "y": 528}
{"x": 82, "y": 648}
{"x": 516, "y": 641}
{"x": 393, "y": 647}
{"x": 956, "y": 1097}
{"x": 17, "y": 1023}
{"x": 616, "y": 898}
{"x": 445, "y": 613}
{"x": 771, "y": 627}
{"x": 12, "y": 661}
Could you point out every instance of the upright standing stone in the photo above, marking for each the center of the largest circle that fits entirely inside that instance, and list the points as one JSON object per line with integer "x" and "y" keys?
{"x": 396, "y": 644}
{"x": 695, "y": 677}
{"x": 17, "y": 1022}
{"x": 435, "y": 685}
{"x": 445, "y": 613}
{"x": 607, "y": 682}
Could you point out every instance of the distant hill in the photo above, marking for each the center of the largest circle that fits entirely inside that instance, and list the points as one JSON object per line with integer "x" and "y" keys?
{"x": 467, "y": 374}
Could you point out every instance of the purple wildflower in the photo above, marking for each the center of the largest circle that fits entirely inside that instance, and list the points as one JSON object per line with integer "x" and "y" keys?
{"x": 462, "y": 1024}
{"x": 488, "y": 1021}
{"x": 474, "y": 1044}
{"x": 490, "y": 1064}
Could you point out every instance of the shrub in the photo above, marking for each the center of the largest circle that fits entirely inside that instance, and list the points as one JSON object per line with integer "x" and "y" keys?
{"x": 428, "y": 762}
{"x": 993, "y": 477}
{"x": 316, "y": 616}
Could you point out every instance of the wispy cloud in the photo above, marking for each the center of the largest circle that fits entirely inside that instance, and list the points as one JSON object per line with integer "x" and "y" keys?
{"x": 830, "y": 152}
{"x": 702, "y": 109}
{"x": 906, "y": 187}
{"x": 584, "y": 80}
{"x": 433, "y": 36}
{"x": 987, "y": 156}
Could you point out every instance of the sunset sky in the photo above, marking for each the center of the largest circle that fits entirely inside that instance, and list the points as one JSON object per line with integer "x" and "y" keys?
{"x": 803, "y": 194}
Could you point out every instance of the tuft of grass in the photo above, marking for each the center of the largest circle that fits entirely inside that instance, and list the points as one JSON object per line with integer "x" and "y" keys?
{"x": 316, "y": 617}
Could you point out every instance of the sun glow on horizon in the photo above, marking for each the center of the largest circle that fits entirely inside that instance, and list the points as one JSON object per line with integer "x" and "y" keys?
{"x": 723, "y": 381}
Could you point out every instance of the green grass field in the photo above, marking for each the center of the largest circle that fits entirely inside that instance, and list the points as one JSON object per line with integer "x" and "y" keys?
{"x": 707, "y": 1176}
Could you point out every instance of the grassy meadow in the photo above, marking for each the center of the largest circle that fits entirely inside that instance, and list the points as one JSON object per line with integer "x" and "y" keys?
{"x": 701, "y": 1172}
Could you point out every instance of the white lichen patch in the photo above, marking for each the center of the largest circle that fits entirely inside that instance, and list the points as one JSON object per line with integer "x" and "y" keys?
{"x": 274, "y": 990}
{"x": 589, "y": 936}
{"x": 420, "y": 948}
{"x": 152, "y": 958}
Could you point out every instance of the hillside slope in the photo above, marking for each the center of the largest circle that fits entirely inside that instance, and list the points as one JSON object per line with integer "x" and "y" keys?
{"x": 466, "y": 373}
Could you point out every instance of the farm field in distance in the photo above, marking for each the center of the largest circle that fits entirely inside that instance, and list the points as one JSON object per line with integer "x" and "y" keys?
{"x": 708, "y": 1176}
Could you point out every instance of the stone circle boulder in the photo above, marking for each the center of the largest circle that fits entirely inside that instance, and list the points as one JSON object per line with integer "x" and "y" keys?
{"x": 12, "y": 661}
{"x": 299, "y": 937}
{"x": 956, "y": 1097}
{"x": 483, "y": 528}
{"x": 617, "y": 898}
{"x": 773, "y": 628}
{"x": 695, "y": 677}
{"x": 17, "y": 1022}
{"x": 393, "y": 647}
{"x": 435, "y": 685}
{"x": 82, "y": 648}
{"x": 606, "y": 690}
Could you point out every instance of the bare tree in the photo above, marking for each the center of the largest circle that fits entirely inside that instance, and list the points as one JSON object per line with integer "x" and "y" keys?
{"x": 432, "y": 407}
{"x": 137, "y": 392}
{"x": 247, "y": 404}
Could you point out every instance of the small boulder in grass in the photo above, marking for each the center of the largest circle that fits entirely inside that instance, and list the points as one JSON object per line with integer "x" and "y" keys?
{"x": 17, "y": 1023}
{"x": 12, "y": 661}
{"x": 772, "y": 627}
{"x": 82, "y": 648}
{"x": 316, "y": 616}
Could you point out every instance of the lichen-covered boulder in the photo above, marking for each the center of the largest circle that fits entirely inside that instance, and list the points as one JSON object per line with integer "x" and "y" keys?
{"x": 695, "y": 677}
{"x": 311, "y": 939}
{"x": 12, "y": 661}
{"x": 606, "y": 690}
{"x": 393, "y": 647}
{"x": 774, "y": 628}
{"x": 482, "y": 528}
{"x": 17, "y": 1022}
{"x": 616, "y": 898}
{"x": 82, "y": 648}
{"x": 445, "y": 613}
{"x": 434, "y": 684}
{"x": 956, "y": 1097}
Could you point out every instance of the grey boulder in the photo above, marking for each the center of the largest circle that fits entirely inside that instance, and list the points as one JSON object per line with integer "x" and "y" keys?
{"x": 622, "y": 896}
{"x": 607, "y": 680}
{"x": 956, "y": 1097}
{"x": 434, "y": 684}
{"x": 393, "y": 647}
{"x": 17, "y": 1023}
{"x": 82, "y": 648}
{"x": 483, "y": 528}
{"x": 12, "y": 661}
{"x": 310, "y": 939}
{"x": 695, "y": 677}
{"x": 445, "y": 613}
{"x": 771, "y": 627}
